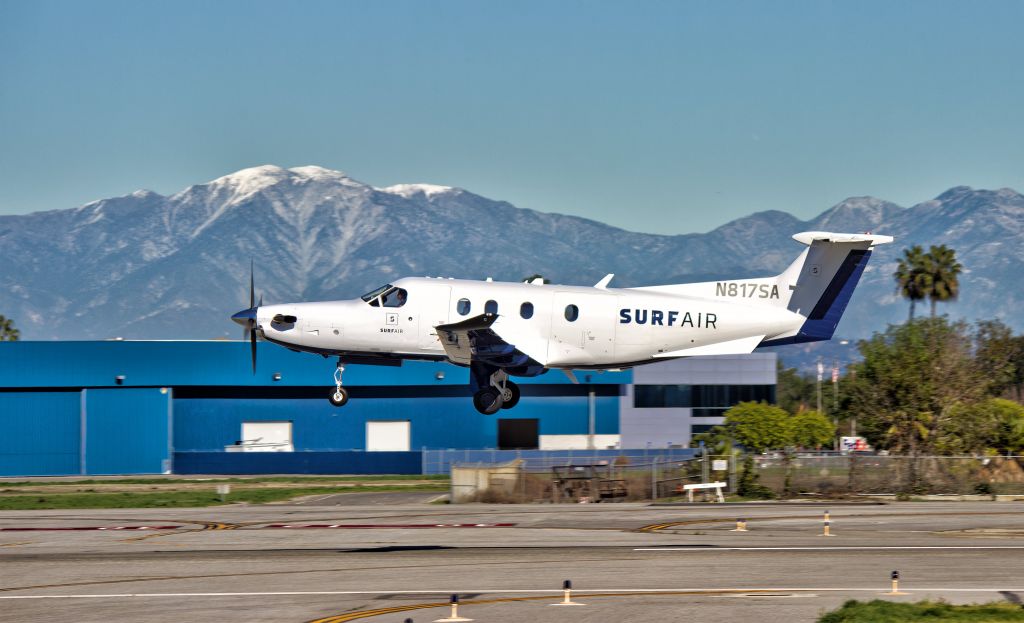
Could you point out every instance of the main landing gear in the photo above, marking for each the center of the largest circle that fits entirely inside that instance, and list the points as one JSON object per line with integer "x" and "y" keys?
{"x": 500, "y": 393}
{"x": 339, "y": 396}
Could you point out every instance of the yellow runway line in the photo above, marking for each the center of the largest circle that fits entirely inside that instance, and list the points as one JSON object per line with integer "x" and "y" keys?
{"x": 365, "y": 614}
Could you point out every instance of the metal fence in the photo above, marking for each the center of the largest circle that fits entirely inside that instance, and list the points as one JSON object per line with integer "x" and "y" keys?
{"x": 441, "y": 461}
{"x": 872, "y": 474}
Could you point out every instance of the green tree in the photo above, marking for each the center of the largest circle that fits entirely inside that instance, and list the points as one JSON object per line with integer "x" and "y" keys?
{"x": 758, "y": 426}
{"x": 1009, "y": 418}
{"x": 910, "y": 276}
{"x": 8, "y": 333}
{"x": 794, "y": 392}
{"x": 970, "y": 429}
{"x": 999, "y": 355}
{"x": 990, "y": 426}
{"x": 911, "y": 378}
{"x": 811, "y": 429}
{"x": 941, "y": 275}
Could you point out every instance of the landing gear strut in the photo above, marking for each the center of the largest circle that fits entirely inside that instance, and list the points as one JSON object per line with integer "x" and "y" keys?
{"x": 500, "y": 393}
{"x": 339, "y": 396}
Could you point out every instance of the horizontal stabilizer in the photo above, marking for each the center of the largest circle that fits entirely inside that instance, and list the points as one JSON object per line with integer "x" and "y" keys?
{"x": 742, "y": 346}
{"x": 808, "y": 238}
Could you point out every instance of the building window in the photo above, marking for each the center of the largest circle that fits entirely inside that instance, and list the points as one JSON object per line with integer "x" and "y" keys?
{"x": 463, "y": 307}
{"x": 491, "y": 307}
{"x": 705, "y": 400}
{"x": 696, "y": 429}
{"x": 572, "y": 313}
{"x": 526, "y": 310}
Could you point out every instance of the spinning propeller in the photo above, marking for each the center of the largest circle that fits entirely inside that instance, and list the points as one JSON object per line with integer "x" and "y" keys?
{"x": 247, "y": 317}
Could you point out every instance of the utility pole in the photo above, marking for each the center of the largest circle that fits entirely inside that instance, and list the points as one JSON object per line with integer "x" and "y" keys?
{"x": 821, "y": 371}
{"x": 591, "y": 414}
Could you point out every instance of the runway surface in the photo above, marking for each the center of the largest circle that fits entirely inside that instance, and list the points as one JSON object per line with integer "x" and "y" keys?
{"x": 375, "y": 562}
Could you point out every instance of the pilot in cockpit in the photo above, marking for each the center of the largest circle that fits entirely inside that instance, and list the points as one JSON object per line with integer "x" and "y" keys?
{"x": 395, "y": 298}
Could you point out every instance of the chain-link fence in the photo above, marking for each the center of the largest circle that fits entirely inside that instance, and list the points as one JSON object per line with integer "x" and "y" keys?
{"x": 873, "y": 474}
{"x": 441, "y": 461}
{"x": 560, "y": 478}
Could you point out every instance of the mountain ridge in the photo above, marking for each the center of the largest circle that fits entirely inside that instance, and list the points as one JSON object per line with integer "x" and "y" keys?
{"x": 146, "y": 265}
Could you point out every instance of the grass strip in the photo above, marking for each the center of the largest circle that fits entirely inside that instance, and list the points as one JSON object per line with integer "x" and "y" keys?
{"x": 183, "y": 499}
{"x": 879, "y": 611}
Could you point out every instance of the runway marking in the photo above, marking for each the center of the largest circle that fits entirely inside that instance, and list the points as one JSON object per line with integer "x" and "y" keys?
{"x": 76, "y": 528}
{"x": 446, "y": 565}
{"x": 213, "y": 525}
{"x": 541, "y": 592}
{"x": 16, "y": 544}
{"x": 657, "y": 527}
{"x": 386, "y": 526}
{"x": 852, "y": 548}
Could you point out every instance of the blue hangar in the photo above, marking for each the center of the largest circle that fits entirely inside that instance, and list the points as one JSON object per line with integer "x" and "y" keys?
{"x": 144, "y": 407}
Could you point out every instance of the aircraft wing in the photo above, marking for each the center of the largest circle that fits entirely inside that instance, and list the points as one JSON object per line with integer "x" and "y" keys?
{"x": 474, "y": 339}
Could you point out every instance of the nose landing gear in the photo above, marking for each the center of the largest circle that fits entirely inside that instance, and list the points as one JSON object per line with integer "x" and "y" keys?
{"x": 339, "y": 396}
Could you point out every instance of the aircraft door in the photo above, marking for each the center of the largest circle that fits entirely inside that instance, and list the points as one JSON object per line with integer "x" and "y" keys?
{"x": 582, "y": 328}
{"x": 433, "y": 306}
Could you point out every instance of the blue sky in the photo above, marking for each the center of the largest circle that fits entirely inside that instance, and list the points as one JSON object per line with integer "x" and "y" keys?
{"x": 666, "y": 117}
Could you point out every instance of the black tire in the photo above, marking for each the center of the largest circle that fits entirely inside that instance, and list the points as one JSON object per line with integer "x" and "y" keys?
{"x": 514, "y": 399}
{"x": 487, "y": 401}
{"x": 338, "y": 397}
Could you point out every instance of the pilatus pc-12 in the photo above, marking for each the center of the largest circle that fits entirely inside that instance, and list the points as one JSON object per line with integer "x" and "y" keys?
{"x": 502, "y": 330}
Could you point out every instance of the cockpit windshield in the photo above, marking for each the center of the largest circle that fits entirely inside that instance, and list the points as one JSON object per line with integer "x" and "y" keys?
{"x": 369, "y": 296}
{"x": 387, "y": 295}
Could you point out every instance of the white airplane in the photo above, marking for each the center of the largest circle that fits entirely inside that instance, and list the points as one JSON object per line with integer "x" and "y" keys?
{"x": 500, "y": 330}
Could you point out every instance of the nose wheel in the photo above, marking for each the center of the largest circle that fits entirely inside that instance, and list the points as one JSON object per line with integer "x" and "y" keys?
{"x": 339, "y": 396}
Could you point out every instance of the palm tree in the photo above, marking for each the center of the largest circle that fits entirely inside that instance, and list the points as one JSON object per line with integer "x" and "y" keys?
{"x": 942, "y": 272}
{"x": 911, "y": 278}
{"x": 7, "y": 331}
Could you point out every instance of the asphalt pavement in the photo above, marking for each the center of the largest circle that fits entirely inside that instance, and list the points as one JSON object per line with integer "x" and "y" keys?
{"x": 375, "y": 562}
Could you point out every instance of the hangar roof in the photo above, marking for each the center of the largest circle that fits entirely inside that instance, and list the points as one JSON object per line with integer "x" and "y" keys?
{"x": 74, "y": 364}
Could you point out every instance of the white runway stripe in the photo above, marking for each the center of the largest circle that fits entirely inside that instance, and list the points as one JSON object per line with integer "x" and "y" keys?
{"x": 448, "y": 591}
{"x": 852, "y": 548}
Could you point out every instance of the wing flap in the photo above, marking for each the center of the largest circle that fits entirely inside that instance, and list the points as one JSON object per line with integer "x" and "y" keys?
{"x": 474, "y": 339}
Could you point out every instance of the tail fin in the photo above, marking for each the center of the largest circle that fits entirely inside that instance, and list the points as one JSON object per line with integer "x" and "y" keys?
{"x": 819, "y": 284}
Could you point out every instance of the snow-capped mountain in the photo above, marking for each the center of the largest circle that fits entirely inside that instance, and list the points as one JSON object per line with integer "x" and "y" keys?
{"x": 149, "y": 266}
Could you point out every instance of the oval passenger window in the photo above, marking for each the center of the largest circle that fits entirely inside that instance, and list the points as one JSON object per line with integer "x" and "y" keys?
{"x": 463, "y": 307}
{"x": 572, "y": 312}
{"x": 526, "y": 310}
{"x": 491, "y": 307}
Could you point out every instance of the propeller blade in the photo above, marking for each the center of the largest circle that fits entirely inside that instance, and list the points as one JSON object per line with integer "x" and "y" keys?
{"x": 252, "y": 284}
{"x": 252, "y": 346}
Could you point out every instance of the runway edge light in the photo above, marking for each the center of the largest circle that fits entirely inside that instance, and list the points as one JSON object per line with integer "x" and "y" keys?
{"x": 895, "y": 577}
{"x": 567, "y": 596}
{"x": 827, "y": 526}
{"x": 454, "y": 615}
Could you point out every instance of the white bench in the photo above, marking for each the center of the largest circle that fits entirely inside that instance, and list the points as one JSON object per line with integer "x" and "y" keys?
{"x": 717, "y": 486}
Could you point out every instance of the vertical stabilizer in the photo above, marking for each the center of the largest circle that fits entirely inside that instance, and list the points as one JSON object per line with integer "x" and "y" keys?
{"x": 821, "y": 281}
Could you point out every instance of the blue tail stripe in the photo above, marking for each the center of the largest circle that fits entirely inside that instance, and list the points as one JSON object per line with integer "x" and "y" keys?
{"x": 824, "y": 318}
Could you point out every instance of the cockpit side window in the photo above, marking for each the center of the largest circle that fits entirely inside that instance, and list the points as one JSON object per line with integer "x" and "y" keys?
{"x": 395, "y": 298}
